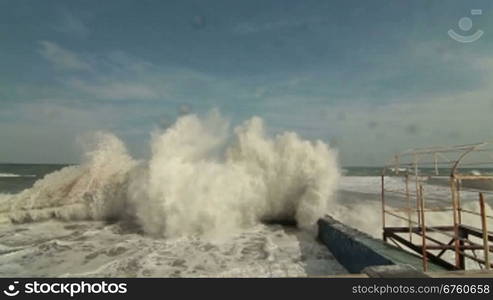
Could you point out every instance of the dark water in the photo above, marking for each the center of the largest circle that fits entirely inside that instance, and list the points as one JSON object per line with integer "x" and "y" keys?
{"x": 377, "y": 171}
{"x": 362, "y": 171}
{"x": 17, "y": 177}
{"x": 27, "y": 174}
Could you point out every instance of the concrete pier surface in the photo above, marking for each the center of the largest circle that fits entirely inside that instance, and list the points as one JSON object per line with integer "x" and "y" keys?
{"x": 445, "y": 274}
{"x": 466, "y": 274}
{"x": 365, "y": 256}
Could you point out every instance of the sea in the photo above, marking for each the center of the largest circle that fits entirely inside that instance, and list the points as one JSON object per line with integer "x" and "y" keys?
{"x": 208, "y": 202}
{"x": 82, "y": 248}
{"x": 15, "y": 177}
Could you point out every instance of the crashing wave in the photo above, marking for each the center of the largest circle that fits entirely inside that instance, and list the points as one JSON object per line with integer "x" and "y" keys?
{"x": 201, "y": 179}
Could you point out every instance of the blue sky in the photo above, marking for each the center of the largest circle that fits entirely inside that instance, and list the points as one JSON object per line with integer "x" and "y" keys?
{"x": 369, "y": 77}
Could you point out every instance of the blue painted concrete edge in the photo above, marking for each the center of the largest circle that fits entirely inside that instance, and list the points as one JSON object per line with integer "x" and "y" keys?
{"x": 356, "y": 250}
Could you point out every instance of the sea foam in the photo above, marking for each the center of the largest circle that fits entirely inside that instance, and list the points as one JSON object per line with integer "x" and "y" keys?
{"x": 202, "y": 178}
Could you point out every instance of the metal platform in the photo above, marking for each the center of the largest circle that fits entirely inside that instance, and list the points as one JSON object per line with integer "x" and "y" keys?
{"x": 409, "y": 206}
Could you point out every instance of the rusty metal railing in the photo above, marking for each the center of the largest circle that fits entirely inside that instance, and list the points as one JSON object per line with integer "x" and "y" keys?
{"x": 435, "y": 202}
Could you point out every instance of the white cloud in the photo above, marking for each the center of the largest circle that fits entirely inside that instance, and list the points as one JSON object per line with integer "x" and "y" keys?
{"x": 63, "y": 58}
{"x": 46, "y": 130}
{"x": 369, "y": 132}
{"x": 116, "y": 90}
{"x": 71, "y": 25}
{"x": 115, "y": 76}
{"x": 119, "y": 61}
{"x": 255, "y": 27}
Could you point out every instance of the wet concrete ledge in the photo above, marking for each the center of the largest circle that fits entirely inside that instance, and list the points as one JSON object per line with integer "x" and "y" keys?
{"x": 356, "y": 250}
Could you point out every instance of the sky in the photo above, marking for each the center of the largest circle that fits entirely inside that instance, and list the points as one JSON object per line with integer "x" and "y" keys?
{"x": 370, "y": 78}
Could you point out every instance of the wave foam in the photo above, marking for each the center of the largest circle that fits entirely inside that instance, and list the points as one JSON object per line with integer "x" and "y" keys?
{"x": 201, "y": 179}
{"x": 11, "y": 175}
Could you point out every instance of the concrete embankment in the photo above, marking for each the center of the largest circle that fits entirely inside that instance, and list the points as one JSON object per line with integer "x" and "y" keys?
{"x": 356, "y": 250}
